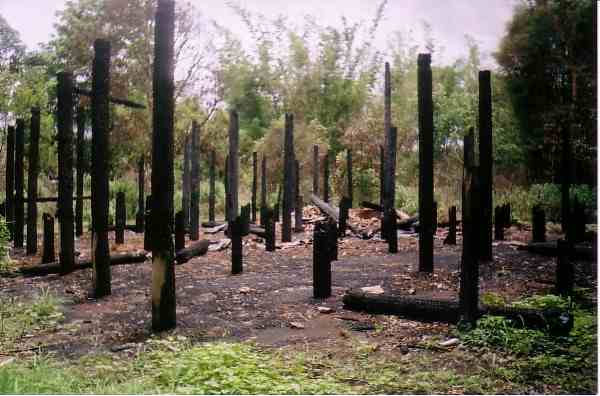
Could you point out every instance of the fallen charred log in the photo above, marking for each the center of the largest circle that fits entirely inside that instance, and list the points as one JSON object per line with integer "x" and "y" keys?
{"x": 334, "y": 213}
{"x": 550, "y": 249}
{"x": 556, "y": 320}
{"x": 196, "y": 249}
{"x": 54, "y": 267}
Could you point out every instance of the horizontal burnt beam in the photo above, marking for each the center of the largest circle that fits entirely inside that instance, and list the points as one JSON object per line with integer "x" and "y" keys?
{"x": 123, "y": 102}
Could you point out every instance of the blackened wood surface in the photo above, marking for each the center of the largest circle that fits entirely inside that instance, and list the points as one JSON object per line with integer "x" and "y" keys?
{"x": 321, "y": 261}
{"x": 451, "y": 237}
{"x": 179, "y": 231}
{"x": 316, "y": 169}
{"x": 140, "y": 215}
{"x": 288, "y": 179}
{"x": 120, "y": 218}
{"x": 100, "y": 153}
{"x": 349, "y": 182}
{"x": 195, "y": 183}
{"x": 48, "y": 254}
{"x": 235, "y": 232}
{"x": 564, "y": 268}
{"x": 185, "y": 184}
{"x": 538, "y": 224}
{"x": 80, "y": 164}
{"x": 147, "y": 224}
{"x": 326, "y": 164}
{"x": 32, "y": 180}
{"x": 254, "y": 184}
{"x": 10, "y": 180}
{"x": 485, "y": 162}
{"x": 263, "y": 189}
{"x": 65, "y": 171}
{"x": 19, "y": 183}
{"x": 211, "y": 188}
{"x": 269, "y": 229}
{"x": 233, "y": 164}
{"x": 163, "y": 269}
{"x": 298, "y": 225}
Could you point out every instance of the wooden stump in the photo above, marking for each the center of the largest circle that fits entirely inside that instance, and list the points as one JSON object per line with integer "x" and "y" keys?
{"x": 451, "y": 237}
{"x": 538, "y": 224}
{"x": 322, "y": 261}
{"x": 48, "y": 254}
{"x": 269, "y": 229}
{"x": 564, "y": 268}
{"x": 235, "y": 232}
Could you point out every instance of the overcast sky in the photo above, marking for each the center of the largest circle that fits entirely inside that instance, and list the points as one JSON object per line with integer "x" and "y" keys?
{"x": 450, "y": 20}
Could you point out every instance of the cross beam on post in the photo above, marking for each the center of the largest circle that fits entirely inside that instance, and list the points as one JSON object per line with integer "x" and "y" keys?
{"x": 122, "y": 102}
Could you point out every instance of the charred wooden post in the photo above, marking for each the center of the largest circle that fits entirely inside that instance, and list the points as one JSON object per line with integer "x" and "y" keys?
{"x": 538, "y": 224}
{"x": 147, "y": 224}
{"x": 485, "y": 162}
{"x": 195, "y": 184}
{"x": 499, "y": 221}
{"x": 469, "y": 266}
{"x": 389, "y": 218}
{"x": 100, "y": 158}
{"x": 349, "y": 182}
{"x": 10, "y": 180}
{"x": 298, "y": 226}
{"x": 32, "y": 181}
{"x": 578, "y": 221}
{"x": 451, "y": 237}
{"x": 245, "y": 218}
{"x": 321, "y": 261}
{"x": 226, "y": 185}
{"x": 263, "y": 190}
{"x": 185, "y": 184}
{"x": 326, "y": 175}
{"x": 333, "y": 239}
{"x": 254, "y": 185}
{"x": 233, "y": 175}
{"x": 120, "y": 218}
{"x": 381, "y": 174}
{"x": 80, "y": 164}
{"x": 19, "y": 184}
{"x": 163, "y": 269}
{"x": 140, "y": 215}
{"x": 565, "y": 187}
{"x": 425, "y": 163}
{"x": 179, "y": 231}
{"x": 48, "y": 253}
{"x": 435, "y": 217}
{"x": 564, "y": 268}
{"x": 235, "y": 232}
{"x": 278, "y": 205}
{"x": 343, "y": 220}
{"x": 65, "y": 171}
{"x": 211, "y": 188}
{"x": 507, "y": 216}
{"x": 315, "y": 169}
{"x": 288, "y": 179}
{"x": 269, "y": 229}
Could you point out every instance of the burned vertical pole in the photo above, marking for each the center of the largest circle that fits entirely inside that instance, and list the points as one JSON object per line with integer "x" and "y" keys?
{"x": 321, "y": 261}
{"x": 451, "y": 237}
{"x": 254, "y": 185}
{"x": 140, "y": 215}
{"x": 326, "y": 176}
{"x": 235, "y": 232}
{"x": 48, "y": 249}
{"x": 19, "y": 184}
{"x": 100, "y": 129}
{"x": 381, "y": 174}
{"x": 288, "y": 179}
{"x": 485, "y": 162}
{"x": 195, "y": 183}
{"x": 234, "y": 164}
{"x": 79, "y": 166}
{"x": 564, "y": 268}
{"x": 538, "y": 224}
{"x": 298, "y": 227}
{"x": 349, "y": 176}
{"x": 269, "y": 224}
{"x": 211, "y": 188}
{"x": 316, "y": 170}
{"x": 120, "y": 218}
{"x": 163, "y": 269}
{"x": 226, "y": 185}
{"x": 179, "y": 231}
{"x": 263, "y": 189}
{"x": 148, "y": 224}
{"x": 32, "y": 181}
{"x": 10, "y": 180}
{"x": 565, "y": 186}
{"x": 425, "y": 163}
{"x": 185, "y": 183}
{"x": 469, "y": 266}
{"x": 389, "y": 180}
{"x": 65, "y": 171}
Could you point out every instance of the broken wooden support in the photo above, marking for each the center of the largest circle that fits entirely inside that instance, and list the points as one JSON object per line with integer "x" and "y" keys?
{"x": 334, "y": 213}
{"x": 321, "y": 261}
{"x": 32, "y": 180}
{"x": 80, "y": 165}
{"x": 194, "y": 226}
{"x": 20, "y": 184}
{"x": 486, "y": 162}
{"x": 55, "y": 268}
{"x": 235, "y": 233}
{"x": 269, "y": 229}
{"x": 65, "y": 170}
{"x": 120, "y": 218}
{"x": 425, "y": 110}
{"x": 565, "y": 273}
{"x": 451, "y": 237}
{"x": 179, "y": 231}
{"x": 558, "y": 321}
{"x": 211, "y": 187}
{"x": 48, "y": 254}
{"x": 10, "y": 180}
{"x": 100, "y": 167}
{"x": 196, "y": 249}
{"x": 163, "y": 269}
{"x": 254, "y": 184}
{"x": 538, "y": 224}
{"x": 140, "y": 215}
{"x": 298, "y": 226}
{"x": 288, "y": 179}
{"x": 147, "y": 224}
